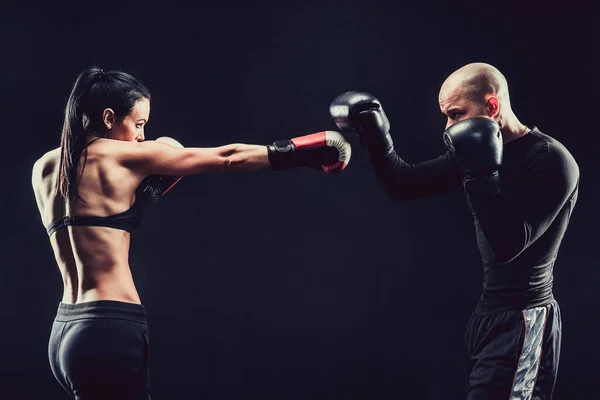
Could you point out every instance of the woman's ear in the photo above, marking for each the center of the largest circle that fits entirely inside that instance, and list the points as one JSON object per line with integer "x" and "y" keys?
{"x": 108, "y": 117}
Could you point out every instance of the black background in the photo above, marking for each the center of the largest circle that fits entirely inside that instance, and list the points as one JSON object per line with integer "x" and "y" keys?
{"x": 296, "y": 285}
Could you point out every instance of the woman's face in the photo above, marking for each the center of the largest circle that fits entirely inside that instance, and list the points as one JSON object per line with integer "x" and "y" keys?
{"x": 131, "y": 129}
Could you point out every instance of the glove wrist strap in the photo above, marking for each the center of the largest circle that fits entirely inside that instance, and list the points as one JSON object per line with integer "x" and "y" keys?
{"x": 380, "y": 145}
{"x": 488, "y": 184}
{"x": 280, "y": 154}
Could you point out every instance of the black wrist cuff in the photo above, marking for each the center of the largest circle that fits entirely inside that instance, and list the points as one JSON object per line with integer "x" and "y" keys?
{"x": 279, "y": 154}
{"x": 380, "y": 145}
{"x": 482, "y": 185}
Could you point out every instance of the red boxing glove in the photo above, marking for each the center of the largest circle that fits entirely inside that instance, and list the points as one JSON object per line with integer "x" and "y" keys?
{"x": 328, "y": 151}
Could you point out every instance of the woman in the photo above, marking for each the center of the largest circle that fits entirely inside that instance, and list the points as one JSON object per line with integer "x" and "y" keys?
{"x": 91, "y": 193}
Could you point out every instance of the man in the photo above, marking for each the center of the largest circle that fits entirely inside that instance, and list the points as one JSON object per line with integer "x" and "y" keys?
{"x": 521, "y": 186}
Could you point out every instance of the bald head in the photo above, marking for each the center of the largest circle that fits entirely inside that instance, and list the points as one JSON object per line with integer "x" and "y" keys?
{"x": 475, "y": 81}
{"x": 469, "y": 90}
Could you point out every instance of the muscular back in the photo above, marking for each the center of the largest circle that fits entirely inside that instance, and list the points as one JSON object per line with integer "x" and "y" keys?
{"x": 93, "y": 260}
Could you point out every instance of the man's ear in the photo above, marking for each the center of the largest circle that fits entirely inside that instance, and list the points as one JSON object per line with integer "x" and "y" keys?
{"x": 492, "y": 105}
{"x": 108, "y": 117}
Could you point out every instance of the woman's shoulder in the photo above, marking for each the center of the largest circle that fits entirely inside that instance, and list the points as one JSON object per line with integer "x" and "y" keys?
{"x": 46, "y": 163}
{"x": 109, "y": 147}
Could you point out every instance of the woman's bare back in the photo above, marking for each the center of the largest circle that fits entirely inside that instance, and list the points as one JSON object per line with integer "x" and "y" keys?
{"x": 93, "y": 260}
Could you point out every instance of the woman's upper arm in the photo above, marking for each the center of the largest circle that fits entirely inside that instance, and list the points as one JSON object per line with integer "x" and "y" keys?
{"x": 156, "y": 158}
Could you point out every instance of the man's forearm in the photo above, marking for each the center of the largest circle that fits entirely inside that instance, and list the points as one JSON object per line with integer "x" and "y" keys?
{"x": 404, "y": 181}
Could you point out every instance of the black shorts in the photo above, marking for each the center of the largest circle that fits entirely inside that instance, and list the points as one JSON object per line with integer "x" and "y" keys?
{"x": 513, "y": 354}
{"x": 99, "y": 350}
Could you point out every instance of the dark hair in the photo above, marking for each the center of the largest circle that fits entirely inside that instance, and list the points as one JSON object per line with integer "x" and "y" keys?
{"x": 94, "y": 91}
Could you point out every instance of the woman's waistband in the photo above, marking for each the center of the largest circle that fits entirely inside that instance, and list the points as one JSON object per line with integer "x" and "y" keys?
{"x": 107, "y": 309}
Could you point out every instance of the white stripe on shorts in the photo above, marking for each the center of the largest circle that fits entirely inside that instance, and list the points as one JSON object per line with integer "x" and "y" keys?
{"x": 529, "y": 361}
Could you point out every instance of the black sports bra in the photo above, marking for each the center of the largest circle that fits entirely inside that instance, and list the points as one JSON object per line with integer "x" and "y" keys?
{"x": 127, "y": 220}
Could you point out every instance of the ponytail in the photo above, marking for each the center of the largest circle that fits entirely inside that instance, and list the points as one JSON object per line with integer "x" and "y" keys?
{"x": 72, "y": 137}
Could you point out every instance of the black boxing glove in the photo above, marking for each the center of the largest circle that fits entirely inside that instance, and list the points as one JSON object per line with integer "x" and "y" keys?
{"x": 363, "y": 113}
{"x": 476, "y": 144}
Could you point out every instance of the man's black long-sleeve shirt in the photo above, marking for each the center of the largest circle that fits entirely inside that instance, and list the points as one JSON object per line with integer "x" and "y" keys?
{"x": 519, "y": 221}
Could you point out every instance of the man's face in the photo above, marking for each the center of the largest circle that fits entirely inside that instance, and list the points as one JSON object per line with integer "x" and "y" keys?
{"x": 456, "y": 105}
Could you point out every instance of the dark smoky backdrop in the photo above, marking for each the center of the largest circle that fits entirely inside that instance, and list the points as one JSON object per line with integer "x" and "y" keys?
{"x": 296, "y": 284}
